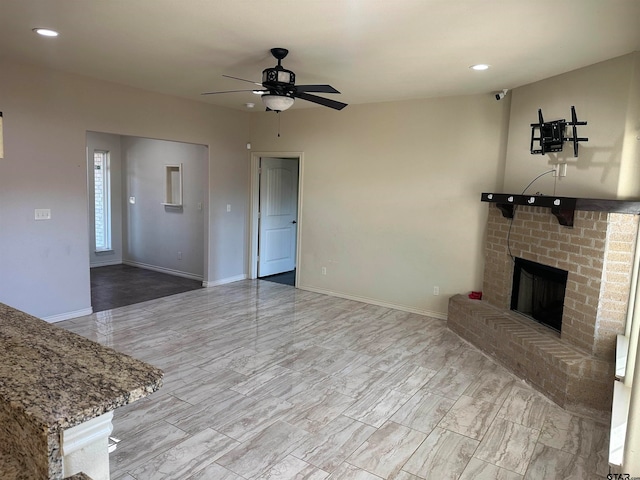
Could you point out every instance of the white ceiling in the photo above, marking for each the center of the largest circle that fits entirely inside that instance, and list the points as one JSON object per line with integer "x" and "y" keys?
{"x": 370, "y": 50}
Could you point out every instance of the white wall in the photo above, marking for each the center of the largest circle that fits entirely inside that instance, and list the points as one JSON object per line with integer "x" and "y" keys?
{"x": 44, "y": 265}
{"x": 606, "y": 96}
{"x": 154, "y": 233}
{"x": 391, "y": 195}
{"x": 110, "y": 143}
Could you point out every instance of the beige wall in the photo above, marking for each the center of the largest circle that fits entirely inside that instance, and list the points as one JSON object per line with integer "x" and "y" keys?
{"x": 606, "y": 96}
{"x": 391, "y": 195}
{"x": 391, "y": 191}
{"x": 44, "y": 265}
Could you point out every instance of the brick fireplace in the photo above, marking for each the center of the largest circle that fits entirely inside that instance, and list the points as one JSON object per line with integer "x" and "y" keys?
{"x": 575, "y": 367}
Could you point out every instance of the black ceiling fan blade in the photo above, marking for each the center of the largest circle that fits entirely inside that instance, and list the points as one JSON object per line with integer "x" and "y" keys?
{"x": 242, "y": 80}
{"x": 320, "y": 101}
{"x": 228, "y": 91}
{"x": 316, "y": 88}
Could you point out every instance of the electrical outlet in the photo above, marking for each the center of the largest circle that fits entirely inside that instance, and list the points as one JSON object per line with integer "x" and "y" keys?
{"x": 228, "y": 207}
{"x": 179, "y": 255}
{"x": 436, "y": 290}
{"x": 324, "y": 270}
{"x": 562, "y": 170}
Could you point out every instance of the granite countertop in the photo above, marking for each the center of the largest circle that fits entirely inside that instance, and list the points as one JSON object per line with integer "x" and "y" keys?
{"x": 60, "y": 379}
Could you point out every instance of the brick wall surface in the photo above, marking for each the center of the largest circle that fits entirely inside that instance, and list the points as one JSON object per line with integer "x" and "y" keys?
{"x": 597, "y": 253}
{"x": 568, "y": 375}
{"x": 573, "y": 368}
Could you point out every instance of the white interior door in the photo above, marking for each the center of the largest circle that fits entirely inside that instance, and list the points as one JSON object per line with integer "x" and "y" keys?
{"x": 278, "y": 215}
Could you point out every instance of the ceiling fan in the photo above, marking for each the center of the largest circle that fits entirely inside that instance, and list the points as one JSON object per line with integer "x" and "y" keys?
{"x": 280, "y": 90}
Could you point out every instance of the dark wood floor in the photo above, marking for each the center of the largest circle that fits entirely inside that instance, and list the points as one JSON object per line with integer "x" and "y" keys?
{"x": 119, "y": 285}
{"x": 286, "y": 278}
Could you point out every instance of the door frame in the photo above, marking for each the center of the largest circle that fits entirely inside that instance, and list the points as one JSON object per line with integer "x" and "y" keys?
{"x": 254, "y": 205}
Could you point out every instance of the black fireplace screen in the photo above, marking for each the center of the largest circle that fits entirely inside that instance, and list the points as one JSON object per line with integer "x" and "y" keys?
{"x": 538, "y": 292}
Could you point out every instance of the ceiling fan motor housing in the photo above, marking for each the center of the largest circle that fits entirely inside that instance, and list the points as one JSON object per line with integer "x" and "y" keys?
{"x": 279, "y": 79}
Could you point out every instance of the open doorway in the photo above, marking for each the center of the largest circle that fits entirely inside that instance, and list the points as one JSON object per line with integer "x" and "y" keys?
{"x": 143, "y": 244}
{"x": 275, "y": 207}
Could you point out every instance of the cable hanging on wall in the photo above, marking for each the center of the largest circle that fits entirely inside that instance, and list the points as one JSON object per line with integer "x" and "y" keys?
{"x": 515, "y": 208}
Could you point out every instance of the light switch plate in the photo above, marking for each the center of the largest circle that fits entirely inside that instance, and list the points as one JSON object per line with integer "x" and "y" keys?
{"x": 43, "y": 214}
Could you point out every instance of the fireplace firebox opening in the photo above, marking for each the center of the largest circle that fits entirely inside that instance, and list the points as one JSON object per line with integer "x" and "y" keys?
{"x": 538, "y": 292}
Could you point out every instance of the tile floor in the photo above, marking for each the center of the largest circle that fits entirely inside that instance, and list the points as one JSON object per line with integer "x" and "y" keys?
{"x": 263, "y": 381}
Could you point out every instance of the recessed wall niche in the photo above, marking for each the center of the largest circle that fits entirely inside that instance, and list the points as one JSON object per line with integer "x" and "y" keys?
{"x": 173, "y": 186}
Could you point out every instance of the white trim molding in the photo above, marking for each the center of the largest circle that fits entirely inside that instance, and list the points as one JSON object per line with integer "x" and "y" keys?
{"x": 105, "y": 263}
{"x": 371, "y": 301}
{"x": 85, "y": 447}
{"x": 170, "y": 271}
{"x": 224, "y": 281}
{"x": 68, "y": 315}
{"x": 254, "y": 197}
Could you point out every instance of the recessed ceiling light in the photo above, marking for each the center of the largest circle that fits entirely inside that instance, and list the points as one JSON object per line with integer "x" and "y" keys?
{"x": 46, "y": 32}
{"x": 479, "y": 66}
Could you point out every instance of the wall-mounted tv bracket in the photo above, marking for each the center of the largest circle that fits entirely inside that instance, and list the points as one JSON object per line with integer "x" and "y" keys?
{"x": 552, "y": 134}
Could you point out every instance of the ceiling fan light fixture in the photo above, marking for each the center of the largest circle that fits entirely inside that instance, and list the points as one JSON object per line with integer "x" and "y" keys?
{"x": 278, "y": 103}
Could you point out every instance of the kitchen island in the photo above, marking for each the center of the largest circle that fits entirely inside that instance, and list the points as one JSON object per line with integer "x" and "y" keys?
{"x": 57, "y": 394}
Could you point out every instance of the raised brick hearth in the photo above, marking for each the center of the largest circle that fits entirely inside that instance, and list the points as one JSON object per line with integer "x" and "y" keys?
{"x": 574, "y": 368}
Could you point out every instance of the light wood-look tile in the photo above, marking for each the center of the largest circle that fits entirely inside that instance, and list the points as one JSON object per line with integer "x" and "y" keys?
{"x": 316, "y": 407}
{"x": 386, "y": 451}
{"x": 479, "y": 470}
{"x": 470, "y": 417}
{"x": 292, "y": 468}
{"x": 423, "y": 411}
{"x": 526, "y": 407}
{"x": 263, "y": 381}
{"x": 331, "y": 445}
{"x": 508, "y": 445}
{"x": 572, "y": 434}
{"x": 408, "y": 379}
{"x": 548, "y": 462}
{"x": 492, "y": 385}
{"x": 377, "y": 406}
{"x": 444, "y": 454}
{"x": 134, "y": 450}
{"x": 215, "y": 471}
{"x": 188, "y": 457}
{"x": 450, "y": 382}
{"x": 351, "y": 472}
{"x": 264, "y": 450}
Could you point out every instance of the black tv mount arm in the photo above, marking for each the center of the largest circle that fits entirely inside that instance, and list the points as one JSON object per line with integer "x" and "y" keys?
{"x": 552, "y": 134}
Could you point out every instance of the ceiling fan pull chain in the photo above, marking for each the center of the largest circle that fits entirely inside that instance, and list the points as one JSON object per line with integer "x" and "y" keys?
{"x": 278, "y": 124}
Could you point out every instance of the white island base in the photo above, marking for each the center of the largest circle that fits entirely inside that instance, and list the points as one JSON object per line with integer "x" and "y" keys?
{"x": 85, "y": 448}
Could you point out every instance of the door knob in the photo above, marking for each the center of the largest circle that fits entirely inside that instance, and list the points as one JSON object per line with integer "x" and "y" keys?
{"x": 294, "y": 222}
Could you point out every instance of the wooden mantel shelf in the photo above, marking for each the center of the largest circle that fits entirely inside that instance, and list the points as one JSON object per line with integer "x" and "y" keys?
{"x": 562, "y": 207}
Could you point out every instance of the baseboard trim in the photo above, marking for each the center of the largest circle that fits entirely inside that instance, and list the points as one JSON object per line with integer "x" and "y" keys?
{"x": 372, "y": 301}
{"x": 170, "y": 271}
{"x": 105, "y": 263}
{"x": 224, "y": 281}
{"x": 68, "y": 316}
